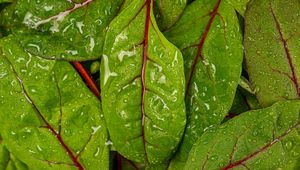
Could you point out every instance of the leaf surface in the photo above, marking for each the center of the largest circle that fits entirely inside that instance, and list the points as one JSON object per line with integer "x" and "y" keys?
{"x": 55, "y": 121}
{"x": 239, "y": 5}
{"x": 271, "y": 49}
{"x": 9, "y": 161}
{"x": 69, "y": 30}
{"x": 209, "y": 36}
{"x": 142, "y": 83}
{"x": 168, "y": 12}
{"x": 262, "y": 139}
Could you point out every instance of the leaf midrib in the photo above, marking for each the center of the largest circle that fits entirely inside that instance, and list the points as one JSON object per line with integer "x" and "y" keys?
{"x": 201, "y": 44}
{"x": 262, "y": 149}
{"x": 48, "y": 126}
{"x": 144, "y": 63}
{"x": 288, "y": 55}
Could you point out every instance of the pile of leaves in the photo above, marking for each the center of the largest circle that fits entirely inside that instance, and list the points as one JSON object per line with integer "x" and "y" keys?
{"x": 185, "y": 84}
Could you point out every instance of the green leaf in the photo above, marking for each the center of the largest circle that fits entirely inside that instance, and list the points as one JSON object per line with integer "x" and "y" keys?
{"x": 262, "y": 139}
{"x": 210, "y": 39}
{"x": 168, "y": 12}
{"x": 142, "y": 83}
{"x": 6, "y": 1}
{"x": 9, "y": 161}
{"x": 4, "y": 155}
{"x": 239, "y": 5}
{"x": 271, "y": 48}
{"x": 69, "y": 30}
{"x": 48, "y": 117}
{"x": 239, "y": 104}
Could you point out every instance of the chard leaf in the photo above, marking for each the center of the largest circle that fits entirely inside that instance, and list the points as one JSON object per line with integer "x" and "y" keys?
{"x": 210, "y": 39}
{"x": 54, "y": 120}
{"x": 262, "y": 139}
{"x": 69, "y": 30}
{"x": 271, "y": 48}
{"x": 142, "y": 83}
{"x": 168, "y": 12}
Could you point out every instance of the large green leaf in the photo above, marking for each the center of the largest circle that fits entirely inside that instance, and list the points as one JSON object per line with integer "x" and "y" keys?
{"x": 271, "y": 48}
{"x": 142, "y": 83}
{"x": 48, "y": 117}
{"x": 168, "y": 12}
{"x": 210, "y": 39}
{"x": 64, "y": 29}
{"x": 263, "y": 139}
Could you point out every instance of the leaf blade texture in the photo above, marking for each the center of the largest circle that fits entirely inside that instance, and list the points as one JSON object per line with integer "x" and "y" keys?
{"x": 66, "y": 30}
{"x": 142, "y": 82}
{"x": 210, "y": 39}
{"x": 56, "y": 122}
{"x": 168, "y": 12}
{"x": 261, "y": 139}
{"x": 272, "y": 62}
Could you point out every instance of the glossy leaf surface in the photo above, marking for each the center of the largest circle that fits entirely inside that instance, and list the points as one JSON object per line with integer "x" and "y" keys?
{"x": 69, "y": 30}
{"x": 262, "y": 139}
{"x": 271, "y": 48}
{"x": 55, "y": 121}
{"x": 210, "y": 39}
{"x": 142, "y": 83}
{"x": 168, "y": 12}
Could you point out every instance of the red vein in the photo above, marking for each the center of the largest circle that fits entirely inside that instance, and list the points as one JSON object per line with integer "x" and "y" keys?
{"x": 264, "y": 148}
{"x": 48, "y": 126}
{"x": 202, "y": 41}
{"x": 63, "y": 14}
{"x": 85, "y": 75}
{"x": 287, "y": 52}
{"x": 145, "y": 58}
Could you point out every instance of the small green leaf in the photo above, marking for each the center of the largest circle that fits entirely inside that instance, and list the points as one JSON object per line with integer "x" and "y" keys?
{"x": 142, "y": 83}
{"x": 271, "y": 49}
{"x": 262, "y": 139}
{"x": 65, "y": 29}
{"x": 48, "y": 117}
{"x": 210, "y": 39}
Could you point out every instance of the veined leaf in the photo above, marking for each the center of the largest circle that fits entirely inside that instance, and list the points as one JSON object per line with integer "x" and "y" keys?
{"x": 271, "y": 48}
{"x": 210, "y": 39}
{"x": 55, "y": 121}
{"x": 168, "y": 12}
{"x": 64, "y": 29}
{"x": 142, "y": 83}
{"x": 262, "y": 139}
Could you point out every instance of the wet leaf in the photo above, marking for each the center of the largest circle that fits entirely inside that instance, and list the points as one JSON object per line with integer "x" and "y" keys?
{"x": 142, "y": 83}
{"x": 210, "y": 39}
{"x": 271, "y": 49}
{"x": 69, "y": 30}
{"x": 262, "y": 139}
{"x": 54, "y": 120}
